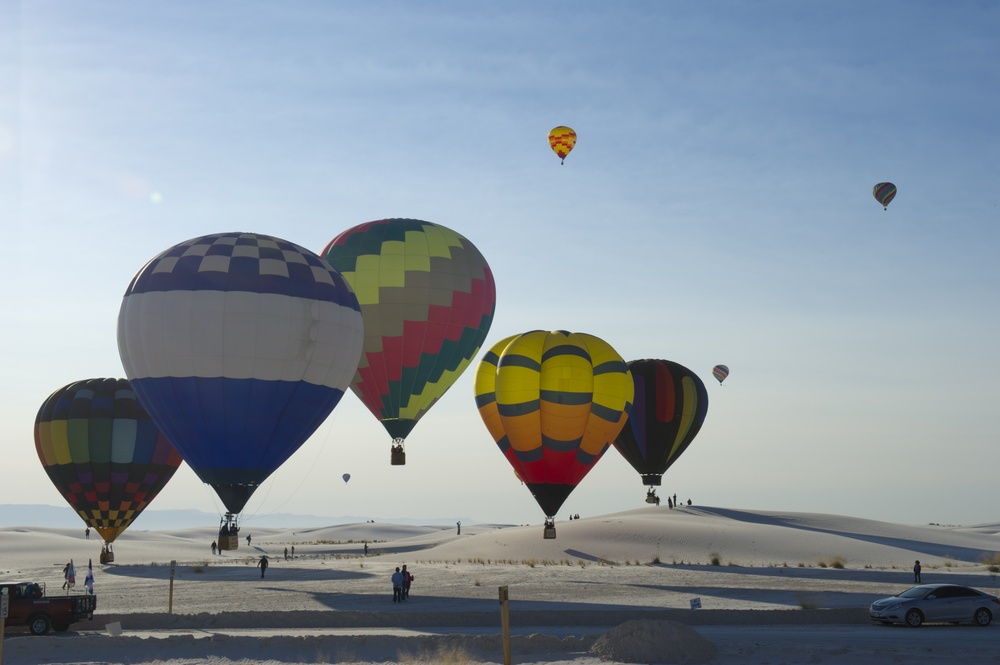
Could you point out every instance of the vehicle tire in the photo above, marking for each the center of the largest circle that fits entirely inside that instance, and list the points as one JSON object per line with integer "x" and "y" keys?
{"x": 61, "y": 627}
{"x": 914, "y": 618}
{"x": 982, "y": 617}
{"x": 39, "y": 624}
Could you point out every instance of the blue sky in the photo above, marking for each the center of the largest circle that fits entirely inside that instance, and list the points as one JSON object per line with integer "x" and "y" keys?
{"x": 717, "y": 209}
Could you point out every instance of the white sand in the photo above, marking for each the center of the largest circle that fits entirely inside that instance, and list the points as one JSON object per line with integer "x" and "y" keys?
{"x": 618, "y": 586}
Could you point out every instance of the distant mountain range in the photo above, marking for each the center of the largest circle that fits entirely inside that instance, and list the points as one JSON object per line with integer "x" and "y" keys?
{"x": 54, "y": 517}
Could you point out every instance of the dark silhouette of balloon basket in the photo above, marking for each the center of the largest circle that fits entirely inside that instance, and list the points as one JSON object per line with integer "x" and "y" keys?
{"x": 107, "y": 555}
{"x": 398, "y": 455}
{"x": 229, "y": 533}
{"x": 550, "y": 529}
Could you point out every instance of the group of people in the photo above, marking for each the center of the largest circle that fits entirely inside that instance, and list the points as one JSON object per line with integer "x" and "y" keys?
{"x": 401, "y": 580}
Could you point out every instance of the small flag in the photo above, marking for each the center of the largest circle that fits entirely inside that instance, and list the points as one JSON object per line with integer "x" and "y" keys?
{"x": 70, "y": 575}
{"x": 89, "y": 581}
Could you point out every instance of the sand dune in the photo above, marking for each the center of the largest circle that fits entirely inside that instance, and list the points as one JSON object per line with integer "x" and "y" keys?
{"x": 810, "y": 571}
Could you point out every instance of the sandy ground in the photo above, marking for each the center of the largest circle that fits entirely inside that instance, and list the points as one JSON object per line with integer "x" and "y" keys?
{"x": 788, "y": 588}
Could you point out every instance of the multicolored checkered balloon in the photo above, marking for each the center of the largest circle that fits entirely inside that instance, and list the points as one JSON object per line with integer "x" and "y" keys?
{"x": 103, "y": 453}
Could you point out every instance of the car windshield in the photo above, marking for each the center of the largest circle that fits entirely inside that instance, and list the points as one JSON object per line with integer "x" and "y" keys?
{"x": 915, "y": 592}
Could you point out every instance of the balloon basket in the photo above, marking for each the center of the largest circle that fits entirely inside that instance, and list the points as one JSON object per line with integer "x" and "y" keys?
{"x": 107, "y": 557}
{"x": 228, "y": 541}
{"x": 550, "y": 530}
{"x": 650, "y": 499}
{"x": 398, "y": 456}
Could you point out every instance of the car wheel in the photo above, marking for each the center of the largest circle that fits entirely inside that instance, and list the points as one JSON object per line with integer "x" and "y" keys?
{"x": 914, "y": 618}
{"x": 39, "y": 624}
{"x": 982, "y": 617}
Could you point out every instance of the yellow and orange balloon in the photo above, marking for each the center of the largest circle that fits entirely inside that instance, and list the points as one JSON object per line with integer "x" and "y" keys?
{"x": 561, "y": 140}
{"x": 553, "y": 402}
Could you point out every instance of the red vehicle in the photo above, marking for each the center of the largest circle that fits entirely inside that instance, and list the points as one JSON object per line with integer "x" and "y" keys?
{"x": 29, "y": 606}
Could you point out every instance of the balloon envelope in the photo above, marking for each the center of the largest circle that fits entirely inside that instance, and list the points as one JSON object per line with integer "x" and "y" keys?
{"x": 561, "y": 140}
{"x": 553, "y": 402}
{"x": 884, "y": 193}
{"x": 668, "y": 409}
{"x": 103, "y": 453}
{"x": 239, "y": 345}
{"x": 427, "y": 297}
{"x": 720, "y": 372}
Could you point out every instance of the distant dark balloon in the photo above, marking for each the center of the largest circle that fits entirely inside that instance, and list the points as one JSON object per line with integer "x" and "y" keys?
{"x": 884, "y": 193}
{"x": 103, "y": 453}
{"x": 668, "y": 410}
{"x": 346, "y": 477}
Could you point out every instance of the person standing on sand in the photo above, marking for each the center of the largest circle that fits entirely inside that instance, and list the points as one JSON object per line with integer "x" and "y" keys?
{"x": 397, "y": 586}
{"x": 214, "y": 547}
{"x": 262, "y": 564}
{"x": 916, "y": 572}
{"x": 407, "y": 579}
{"x": 248, "y": 540}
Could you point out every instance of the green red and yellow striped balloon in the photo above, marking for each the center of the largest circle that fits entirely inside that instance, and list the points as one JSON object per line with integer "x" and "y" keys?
{"x": 553, "y": 402}
{"x": 427, "y": 299}
{"x": 103, "y": 453}
{"x": 884, "y": 193}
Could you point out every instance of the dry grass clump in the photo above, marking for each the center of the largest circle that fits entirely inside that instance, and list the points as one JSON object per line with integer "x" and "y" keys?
{"x": 831, "y": 562}
{"x": 992, "y": 562}
{"x": 445, "y": 654}
{"x": 715, "y": 559}
{"x": 807, "y": 600}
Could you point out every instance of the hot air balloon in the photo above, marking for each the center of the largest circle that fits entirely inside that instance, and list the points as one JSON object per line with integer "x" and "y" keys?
{"x": 720, "y": 372}
{"x": 884, "y": 193}
{"x": 668, "y": 409}
{"x": 346, "y": 477}
{"x": 239, "y": 346}
{"x": 427, "y": 298}
{"x": 553, "y": 402}
{"x": 103, "y": 453}
{"x": 561, "y": 140}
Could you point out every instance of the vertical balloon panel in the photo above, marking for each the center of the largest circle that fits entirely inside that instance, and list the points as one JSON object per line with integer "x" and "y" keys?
{"x": 670, "y": 406}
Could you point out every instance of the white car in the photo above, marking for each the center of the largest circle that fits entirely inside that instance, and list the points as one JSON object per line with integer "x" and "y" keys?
{"x": 943, "y": 603}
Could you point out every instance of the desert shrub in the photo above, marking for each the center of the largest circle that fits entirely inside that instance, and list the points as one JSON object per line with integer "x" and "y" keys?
{"x": 714, "y": 559}
{"x": 992, "y": 562}
{"x": 445, "y": 654}
{"x": 808, "y": 601}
